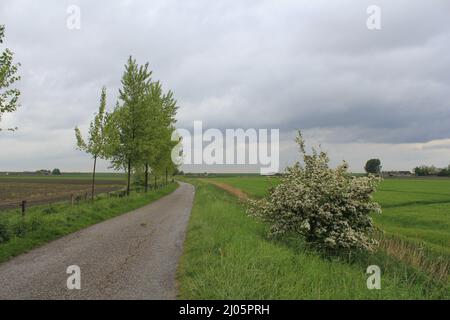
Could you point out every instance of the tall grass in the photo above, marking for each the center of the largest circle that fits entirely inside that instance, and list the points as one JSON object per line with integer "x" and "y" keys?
{"x": 417, "y": 255}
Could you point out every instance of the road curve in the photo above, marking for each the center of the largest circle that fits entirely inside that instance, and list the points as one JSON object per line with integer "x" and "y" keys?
{"x": 132, "y": 256}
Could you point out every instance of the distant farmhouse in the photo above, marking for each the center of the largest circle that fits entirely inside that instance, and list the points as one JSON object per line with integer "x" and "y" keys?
{"x": 42, "y": 172}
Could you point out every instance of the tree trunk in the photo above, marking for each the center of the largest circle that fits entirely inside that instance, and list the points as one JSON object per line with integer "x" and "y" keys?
{"x": 166, "y": 175}
{"x": 146, "y": 177}
{"x": 129, "y": 177}
{"x": 93, "y": 178}
{"x": 155, "y": 181}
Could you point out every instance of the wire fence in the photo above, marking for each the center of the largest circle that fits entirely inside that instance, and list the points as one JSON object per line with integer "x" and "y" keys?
{"x": 76, "y": 198}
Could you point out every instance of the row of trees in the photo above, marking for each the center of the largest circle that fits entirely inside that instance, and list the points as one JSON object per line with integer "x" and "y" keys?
{"x": 374, "y": 166}
{"x": 432, "y": 171}
{"x": 136, "y": 135}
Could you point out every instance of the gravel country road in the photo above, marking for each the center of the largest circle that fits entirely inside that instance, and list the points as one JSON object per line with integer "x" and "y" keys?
{"x": 132, "y": 256}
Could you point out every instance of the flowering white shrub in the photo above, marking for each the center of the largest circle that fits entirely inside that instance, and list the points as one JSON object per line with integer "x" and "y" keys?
{"x": 328, "y": 207}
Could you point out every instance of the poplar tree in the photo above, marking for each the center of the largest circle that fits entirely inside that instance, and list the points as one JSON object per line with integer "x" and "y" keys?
{"x": 126, "y": 126}
{"x": 139, "y": 130}
{"x": 9, "y": 97}
{"x": 169, "y": 105}
{"x": 153, "y": 119}
{"x": 95, "y": 144}
{"x": 161, "y": 111}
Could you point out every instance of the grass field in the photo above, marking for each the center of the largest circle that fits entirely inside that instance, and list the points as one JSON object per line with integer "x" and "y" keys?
{"x": 44, "y": 223}
{"x": 228, "y": 255}
{"x": 416, "y": 209}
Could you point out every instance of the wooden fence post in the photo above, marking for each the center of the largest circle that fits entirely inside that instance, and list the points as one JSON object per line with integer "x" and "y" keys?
{"x": 71, "y": 199}
{"x": 24, "y": 207}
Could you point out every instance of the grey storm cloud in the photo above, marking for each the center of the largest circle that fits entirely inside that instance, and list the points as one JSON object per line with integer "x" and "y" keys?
{"x": 266, "y": 64}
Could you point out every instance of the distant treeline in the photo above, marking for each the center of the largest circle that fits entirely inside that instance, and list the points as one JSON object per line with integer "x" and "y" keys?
{"x": 42, "y": 172}
{"x": 432, "y": 171}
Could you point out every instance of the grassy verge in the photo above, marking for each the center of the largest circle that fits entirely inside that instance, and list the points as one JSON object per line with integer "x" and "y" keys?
{"x": 227, "y": 255}
{"x": 415, "y": 218}
{"x": 44, "y": 223}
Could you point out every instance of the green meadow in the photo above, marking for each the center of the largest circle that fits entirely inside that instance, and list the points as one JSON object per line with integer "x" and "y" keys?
{"x": 416, "y": 209}
{"x": 229, "y": 256}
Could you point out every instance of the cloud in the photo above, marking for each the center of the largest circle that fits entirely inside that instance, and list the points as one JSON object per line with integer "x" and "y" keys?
{"x": 264, "y": 64}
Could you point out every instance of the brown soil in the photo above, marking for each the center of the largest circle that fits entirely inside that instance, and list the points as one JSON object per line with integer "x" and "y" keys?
{"x": 12, "y": 193}
{"x": 230, "y": 189}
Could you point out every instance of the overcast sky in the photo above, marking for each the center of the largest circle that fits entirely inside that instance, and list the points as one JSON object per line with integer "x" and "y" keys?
{"x": 312, "y": 65}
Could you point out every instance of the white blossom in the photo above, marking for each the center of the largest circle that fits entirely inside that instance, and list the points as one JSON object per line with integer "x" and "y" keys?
{"x": 328, "y": 207}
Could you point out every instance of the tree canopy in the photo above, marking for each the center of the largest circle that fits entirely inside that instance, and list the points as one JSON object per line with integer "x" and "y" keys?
{"x": 9, "y": 96}
{"x": 373, "y": 166}
{"x": 95, "y": 144}
{"x": 136, "y": 136}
